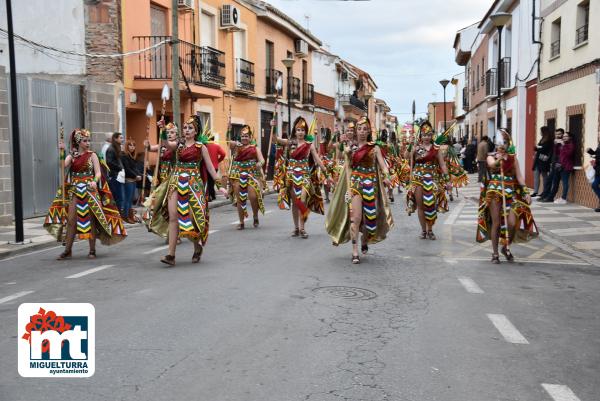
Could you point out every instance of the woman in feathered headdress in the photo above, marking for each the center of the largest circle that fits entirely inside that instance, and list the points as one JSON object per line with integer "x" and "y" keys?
{"x": 504, "y": 213}
{"x": 90, "y": 210}
{"x": 181, "y": 211}
{"x": 359, "y": 203}
{"x": 299, "y": 188}
{"x": 246, "y": 176}
{"x": 429, "y": 181}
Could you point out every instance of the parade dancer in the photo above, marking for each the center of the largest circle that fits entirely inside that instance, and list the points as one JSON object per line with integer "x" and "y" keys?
{"x": 389, "y": 155}
{"x": 181, "y": 211}
{"x": 429, "y": 181}
{"x": 359, "y": 203}
{"x": 246, "y": 176}
{"x": 299, "y": 190}
{"x": 326, "y": 153}
{"x": 84, "y": 203}
{"x": 504, "y": 213}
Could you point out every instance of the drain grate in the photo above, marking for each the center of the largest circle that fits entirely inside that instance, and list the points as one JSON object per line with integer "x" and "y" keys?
{"x": 351, "y": 293}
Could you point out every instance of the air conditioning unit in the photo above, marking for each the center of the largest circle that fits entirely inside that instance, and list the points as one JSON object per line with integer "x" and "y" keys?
{"x": 344, "y": 75}
{"x": 230, "y": 17}
{"x": 185, "y": 4}
{"x": 301, "y": 48}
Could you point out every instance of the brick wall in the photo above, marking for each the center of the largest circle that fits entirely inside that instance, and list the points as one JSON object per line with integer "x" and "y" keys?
{"x": 6, "y": 194}
{"x": 103, "y": 36}
{"x": 100, "y": 111}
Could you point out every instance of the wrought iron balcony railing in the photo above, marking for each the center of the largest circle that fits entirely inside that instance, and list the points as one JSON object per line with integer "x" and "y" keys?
{"x": 294, "y": 88}
{"x": 308, "y": 94}
{"x": 199, "y": 65}
{"x": 272, "y": 76}
{"x": 581, "y": 34}
{"x": 244, "y": 75}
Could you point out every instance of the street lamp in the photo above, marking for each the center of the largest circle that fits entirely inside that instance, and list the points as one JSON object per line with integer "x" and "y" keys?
{"x": 444, "y": 83}
{"x": 289, "y": 63}
{"x": 499, "y": 20}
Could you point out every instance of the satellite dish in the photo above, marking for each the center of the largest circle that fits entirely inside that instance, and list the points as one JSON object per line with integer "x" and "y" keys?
{"x": 165, "y": 93}
{"x": 149, "y": 110}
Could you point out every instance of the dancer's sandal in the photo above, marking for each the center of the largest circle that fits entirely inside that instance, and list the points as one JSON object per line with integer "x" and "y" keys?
{"x": 296, "y": 232}
{"x": 65, "y": 255}
{"x": 169, "y": 260}
{"x": 255, "y": 222}
{"x": 197, "y": 255}
{"x": 423, "y": 235}
{"x": 507, "y": 254}
{"x": 431, "y": 235}
{"x": 240, "y": 226}
{"x": 355, "y": 259}
{"x": 496, "y": 259}
{"x": 92, "y": 254}
{"x": 303, "y": 234}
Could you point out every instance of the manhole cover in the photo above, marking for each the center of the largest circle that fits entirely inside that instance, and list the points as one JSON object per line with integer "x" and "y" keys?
{"x": 346, "y": 292}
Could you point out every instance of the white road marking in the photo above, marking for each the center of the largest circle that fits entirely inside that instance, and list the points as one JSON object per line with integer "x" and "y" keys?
{"x": 14, "y": 296}
{"x": 526, "y": 261}
{"x": 158, "y": 249}
{"x": 268, "y": 211}
{"x": 213, "y": 231}
{"x": 556, "y": 219}
{"x": 587, "y": 245}
{"x": 89, "y": 271}
{"x": 506, "y": 328}
{"x": 10, "y": 283}
{"x": 470, "y": 285}
{"x": 30, "y": 253}
{"x": 560, "y": 392}
{"x": 454, "y": 214}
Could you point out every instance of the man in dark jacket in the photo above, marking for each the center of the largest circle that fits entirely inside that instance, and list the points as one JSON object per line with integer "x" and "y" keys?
{"x": 553, "y": 179}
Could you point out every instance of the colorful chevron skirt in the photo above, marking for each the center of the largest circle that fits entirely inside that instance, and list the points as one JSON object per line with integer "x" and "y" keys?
{"x": 364, "y": 184}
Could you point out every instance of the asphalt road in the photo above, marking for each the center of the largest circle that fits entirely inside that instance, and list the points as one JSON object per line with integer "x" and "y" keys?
{"x": 266, "y": 317}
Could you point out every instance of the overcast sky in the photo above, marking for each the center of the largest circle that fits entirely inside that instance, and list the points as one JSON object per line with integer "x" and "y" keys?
{"x": 406, "y": 45}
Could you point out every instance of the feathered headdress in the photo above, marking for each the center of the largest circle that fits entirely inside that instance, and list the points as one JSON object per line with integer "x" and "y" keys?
{"x": 77, "y": 135}
{"x": 247, "y": 130}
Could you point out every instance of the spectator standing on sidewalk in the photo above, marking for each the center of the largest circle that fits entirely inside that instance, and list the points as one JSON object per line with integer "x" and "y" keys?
{"x": 106, "y": 145}
{"x": 116, "y": 174}
{"x": 553, "y": 178}
{"x": 567, "y": 162}
{"x": 470, "y": 155}
{"x": 482, "y": 154}
{"x": 132, "y": 175}
{"x": 541, "y": 161}
{"x": 596, "y": 164}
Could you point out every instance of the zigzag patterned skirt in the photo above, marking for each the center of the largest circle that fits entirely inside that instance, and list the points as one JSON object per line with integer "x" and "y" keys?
{"x": 364, "y": 184}
{"x": 192, "y": 209}
{"x": 245, "y": 173}
{"x": 434, "y": 196}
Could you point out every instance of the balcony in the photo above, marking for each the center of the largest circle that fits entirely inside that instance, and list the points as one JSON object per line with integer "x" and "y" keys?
{"x": 465, "y": 97}
{"x": 198, "y": 65}
{"x": 244, "y": 75}
{"x": 308, "y": 94}
{"x": 351, "y": 100}
{"x": 271, "y": 79}
{"x": 555, "y": 49}
{"x": 491, "y": 78}
{"x": 294, "y": 85}
{"x": 581, "y": 35}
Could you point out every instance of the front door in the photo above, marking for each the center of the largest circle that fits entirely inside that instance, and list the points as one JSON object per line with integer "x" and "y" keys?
{"x": 576, "y": 131}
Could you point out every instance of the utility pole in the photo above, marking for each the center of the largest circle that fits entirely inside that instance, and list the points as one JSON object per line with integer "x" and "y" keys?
{"x": 16, "y": 147}
{"x": 175, "y": 61}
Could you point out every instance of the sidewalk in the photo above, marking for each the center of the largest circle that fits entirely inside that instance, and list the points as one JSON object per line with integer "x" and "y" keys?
{"x": 573, "y": 225}
{"x": 36, "y": 237}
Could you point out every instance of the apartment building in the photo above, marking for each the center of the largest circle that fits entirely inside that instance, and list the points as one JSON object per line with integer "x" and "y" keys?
{"x": 568, "y": 94}
{"x": 435, "y": 114}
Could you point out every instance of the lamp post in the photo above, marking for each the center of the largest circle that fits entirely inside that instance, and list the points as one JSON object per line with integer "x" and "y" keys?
{"x": 499, "y": 20}
{"x": 444, "y": 83}
{"x": 289, "y": 63}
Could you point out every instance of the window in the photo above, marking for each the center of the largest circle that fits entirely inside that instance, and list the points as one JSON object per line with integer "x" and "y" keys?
{"x": 555, "y": 39}
{"x": 583, "y": 19}
{"x": 207, "y": 30}
{"x": 290, "y": 54}
{"x": 478, "y": 76}
{"x": 204, "y": 119}
{"x": 239, "y": 44}
{"x": 509, "y": 125}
